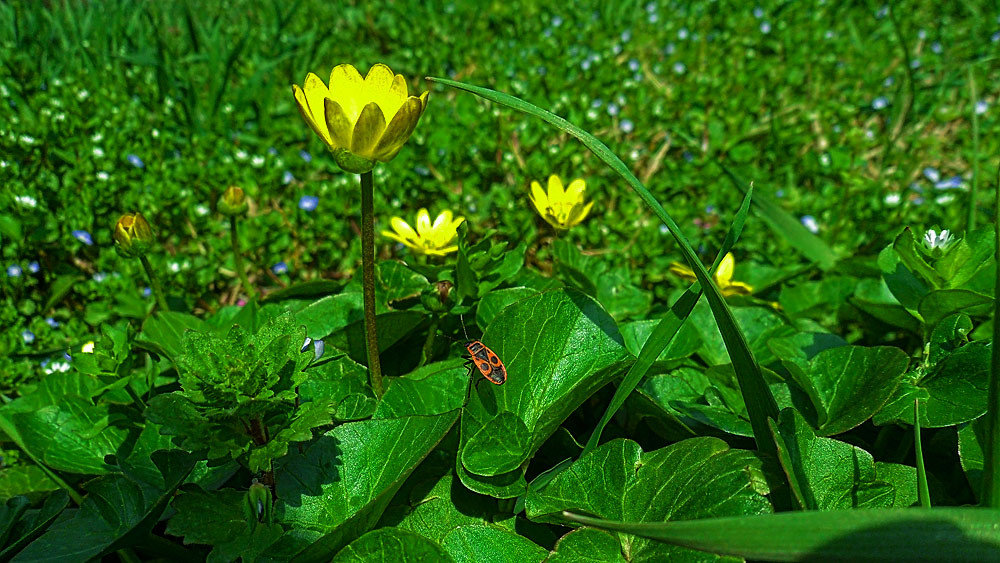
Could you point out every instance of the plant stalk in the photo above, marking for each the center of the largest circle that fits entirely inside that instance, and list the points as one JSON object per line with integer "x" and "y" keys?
{"x": 161, "y": 298}
{"x": 368, "y": 279}
{"x": 970, "y": 222}
{"x": 923, "y": 491}
{"x": 234, "y": 240}
{"x": 991, "y": 453}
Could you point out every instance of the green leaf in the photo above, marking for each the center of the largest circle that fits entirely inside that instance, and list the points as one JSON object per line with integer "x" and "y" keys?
{"x": 331, "y": 313}
{"x": 875, "y": 298}
{"x": 480, "y": 542}
{"x": 164, "y": 332}
{"x": 684, "y": 342}
{"x": 216, "y": 518}
{"x": 760, "y": 402}
{"x": 587, "y": 545}
{"x": 27, "y": 480}
{"x": 390, "y": 545}
{"x": 937, "y": 305}
{"x": 59, "y": 289}
{"x": 392, "y": 327}
{"x": 760, "y": 323}
{"x": 399, "y": 282}
{"x": 558, "y": 347}
{"x": 696, "y": 478}
{"x": 436, "y": 507}
{"x": 936, "y": 534}
{"x": 827, "y": 474}
{"x": 951, "y": 390}
{"x": 504, "y": 486}
{"x": 344, "y": 384}
{"x": 304, "y": 290}
{"x": 338, "y": 488}
{"x": 495, "y": 301}
{"x": 971, "y": 439}
{"x": 432, "y": 389}
{"x": 23, "y": 526}
{"x": 846, "y": 384}
{"x": 117, "y": 512}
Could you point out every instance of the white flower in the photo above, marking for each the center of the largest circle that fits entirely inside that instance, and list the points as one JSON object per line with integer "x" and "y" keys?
{"x": 97, "y": 137}
{"x": 26, "y": 200}
{"x": 174, "y": 267}
{"x": 933, "y": 239}
{"x": 82, "y": 95}
{"x": 981, "y": 107}
{"x": 27, "y": 139}
{"x": 893, "y": 199}
{"x": 103, "y": 176}
{"x": 257, "y": 161}
{"x": 201, "y": 210}
{"x": 61, "y": 367}
{"x": 98, "y": 152}
{"x": 241, "y": 154}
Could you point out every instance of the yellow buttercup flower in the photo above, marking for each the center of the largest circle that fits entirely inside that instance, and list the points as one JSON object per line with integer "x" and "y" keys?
{"x": 435, "y": 239}
{"x": 132, "y": 234}
{"x": 561, "y": 208}
{"x": 361, "y": 120}
{"x": 723, "y": 276}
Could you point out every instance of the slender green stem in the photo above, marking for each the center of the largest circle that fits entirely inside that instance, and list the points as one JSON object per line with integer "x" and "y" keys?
{"x": 923, "y": 492}
{"x": 234, "y": 240}
{"x": 428, "y": 350}
{"x": 970, "y": 223}
{"x": 991, "y": 453}
{"x": 161, "y": 298}
{"x": 368, "y": 278}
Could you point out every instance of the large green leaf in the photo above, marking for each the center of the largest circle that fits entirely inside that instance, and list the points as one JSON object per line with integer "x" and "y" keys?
{"x": 937, "y": 534}
{"x": 343, "y": 383}
{"x": 28, "y": 480}
{"x": 696, "y": 478}
{"x": 117, "y": 512}
{"x": 971, "y": 439}
{"x": 19, "y": 525}
{"x": 337, "y": 488}
{"x": 389, "y": 545}
{"x": 432, "y": 389}
{"x": 846, "y": 384}
{"x": 164, "y": 332}
{"x": 585, "y": 545}
{"x": 827, "y": 474}
{"x": 480, "y": 542}
{"x": 760, "y": 324}
{"x": 495, "y": 301}
{"x": 218, "y": 519}
{"x": 759, "y": 401}
{"x": 438, "y": 506}
{"x": 938, "y": 304}
{"x": 559, "y": 347}
{"x": 328, "y": 314}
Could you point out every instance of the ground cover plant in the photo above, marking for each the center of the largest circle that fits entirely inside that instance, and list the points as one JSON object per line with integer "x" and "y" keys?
{"x": 612, "y": 281}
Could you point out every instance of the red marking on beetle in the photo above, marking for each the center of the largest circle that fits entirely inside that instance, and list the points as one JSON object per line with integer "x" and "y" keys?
{"x": 487, "y": 362}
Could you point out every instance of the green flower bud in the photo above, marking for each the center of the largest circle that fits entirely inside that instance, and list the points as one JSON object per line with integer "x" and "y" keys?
{"x": 257, "y": 504}
{"x": 233, "y": 202}
{"x": 133, "y": 235}
{"x": 438, "y": 297}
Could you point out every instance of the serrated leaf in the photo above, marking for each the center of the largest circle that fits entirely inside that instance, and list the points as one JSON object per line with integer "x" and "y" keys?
{"x": 216, "y": 518}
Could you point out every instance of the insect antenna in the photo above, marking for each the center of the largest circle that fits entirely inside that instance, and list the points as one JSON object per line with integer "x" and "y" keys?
{"x": 462, "y": 319}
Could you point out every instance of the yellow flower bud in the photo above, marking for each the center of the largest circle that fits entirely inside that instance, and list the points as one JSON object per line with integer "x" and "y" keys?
{"x": 133, "y": 235}
{"x": 361, "y": 120}
{"x": 233, "y": 202}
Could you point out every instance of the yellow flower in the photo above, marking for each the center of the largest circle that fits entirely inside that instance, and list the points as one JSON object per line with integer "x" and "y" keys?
{"x": 88, "y": 348}
{"x": 723, "y": 276}
{"x": 361, "y": 120}
{"x": 132, "y": 235}
{"x": 561, "y": 208}
{"x": 233, "y": 202}
{"x": 435, "y": 239}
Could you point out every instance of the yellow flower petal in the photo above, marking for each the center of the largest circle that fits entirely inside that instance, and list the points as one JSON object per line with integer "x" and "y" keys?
{"x": 555, "y": 190}
{"x": 736, "y": 288}
{"x": 574, "y": 192}
{"x": 338, "y": 125}
{"x": 403, "y": 228}
{"x": 442, "y": 219}
{"x": 539, "y": 198}
{"x": 423, "y": 222}
{"x": 399, "y": 129}
{"x": 399, "y": 87}
{"x": 579, "y": 213}
{"x": 315, "y": 93}
{"x": 725, "y": 271}
{"x": 345, "y": 89}
{"x": 368, "y": 130}
{"x": 682, "y": 271}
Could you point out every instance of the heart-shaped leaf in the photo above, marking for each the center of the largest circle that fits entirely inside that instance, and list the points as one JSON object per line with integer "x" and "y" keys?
{"x": 696, "y": 478}
{"x": 586, "y": 545}
{"x": 558, "y": 347}
{"x": 391, "y": 545}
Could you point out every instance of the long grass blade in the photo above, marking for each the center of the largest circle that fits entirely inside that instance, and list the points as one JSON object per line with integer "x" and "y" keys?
{"x": 923, "y": 491}
{"x": 757, "y": 396}
{"x": 991, "y": 451}
{"x": 924, "y": 534}
{"x": 665, "y": 331}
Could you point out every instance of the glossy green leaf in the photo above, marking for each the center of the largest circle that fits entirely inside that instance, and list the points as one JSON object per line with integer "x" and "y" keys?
{"x": 164, "y": 332}
{"x": 937, "y": 305}
{"x": 696, "y": 478}
{"x": 27, "y": 480}
{"x": 342, "y": 383}
{"x": 217, "y": 518}
{"x": 331, "y": 313}
{"x": 390, "y": 545}
{"x": 21, "y": 526}
{"x": 827, "y": 474}
{"x": 760, "y": 324}
{"x": 398, "y": 283}
{"x": 480, "y": 542}
{"x": 558, "y": 347}
{"x": 847, "y": 384}
{"x": 971, "y": 440}
{"x": 117, "y": 511}
{"x": 875, "y": 298}
{"x": 495, "y": 301}
{"x": 432, "y": 389}
{"x": 586, "y": 545}
{"x": 392, "y": 327}
{"x": 759, "y": 400}
{"x": 337, "y": 488}
{"x": 937, "y": 534}
{"x": 504, "y": 486}
{"x": 438, "y": 506}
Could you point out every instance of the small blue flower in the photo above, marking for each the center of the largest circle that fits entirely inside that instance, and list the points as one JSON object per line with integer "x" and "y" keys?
{"x": 287, "y": 177}
{"x": 305, "y": 156}
{"x": 52, "y": 322}
{"x": 596, "y": 103}
{"x": 627, "y": 126}
{"x": 758, "y": 12}
{"x": 981, "y": 107}
{"x": 13, "y": 271}
{"x": 650, "y": 7}
{"x": 679, "y": 68}
{"x": 134, "y": 160}
{"x": 888, "y": 82}
{"x": 146, "y": 291}
{"x": 682, "y": 33}
{"x": 99, "y": 277}
{"x": 669, "y": 49}
{"x": 613, "y": 109}
{"x": 557, "y": 21}
{"x": 915, "y": 63}
{"x": 28, "y": 336}
{"x": 936, "y": 47}
{"x": 687, "y": 156}
{"x": 308, "y": 202}
{"x": 779, "y": 193}
{"x": 880, "y": 103}
{"x": 995, "y": 37}
{"x": 809, "y": 222}
{"x": 318, "y": 348}
{"x": 67, "y": 357}
{"x": 585, "y": 65}
{"x": 765, "y": 28}
{"x": 272, "y": 151}
{"x": 626, "y": 36}
{"x": 279, "y": 268}
{"x": 882, "y": 12}
{"x": 33, "y": 267}
{"x": 422, "y": 170}
{"x": 954, "y": 182}
{"x": 633, "y": 64}
{"x": 932, "y": 174}
{"x": 84, "y": 237}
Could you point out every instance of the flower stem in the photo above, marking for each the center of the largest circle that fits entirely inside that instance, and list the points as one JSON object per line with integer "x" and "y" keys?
{"x": 368, "y": 278}
{"x": 234, "y": 240}
{"x": 990, "y": 496}
{"x": 161, "y": 298}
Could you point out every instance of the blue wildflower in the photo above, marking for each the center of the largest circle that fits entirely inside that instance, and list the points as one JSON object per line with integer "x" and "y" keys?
{"x": 84, "y": 237}
{"x": 633, "y": 64}
{"x": 134, "y": 160}
{"x": 981, "y": 107}
{"x": 809, "y": 222}
{"x": 13, "y": 271}
{"x": 99, "y": 277}
{"x": 272, "y": 151}
{"x": 936, "y": 47}
{"x": 33, "y": 267}
{"x": 52, "y": 322}
{"x": 287, "y": 177}
{"x": 627, "y": 126}
{"x": 613, "y": 109}
{"x": 557, "y": 21}
{"x": 280, "y": 268}
{"x": 146, "y": 291}
{"x": 318, "y": 348}
{"x": 28, "y": 336}
{"x": 758, "y": 12}
{"x": 880, "y": 103}
{"x": 932, "y": 174}
{"x": 305, "y": 155}
{"x": 951, "y": 183}
{"x": 308, "y": 202}
{"x": 765, "y": 27}
{"x": 679, "y": 68}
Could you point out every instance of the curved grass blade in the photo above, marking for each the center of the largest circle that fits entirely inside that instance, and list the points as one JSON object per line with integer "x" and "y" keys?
{"x": 924, "y": 534}
{"x": 788, "y": 227}
{"x": 665, "y": 330}
{"x": 991, "y": 450}
{"x": 759, "y": 400}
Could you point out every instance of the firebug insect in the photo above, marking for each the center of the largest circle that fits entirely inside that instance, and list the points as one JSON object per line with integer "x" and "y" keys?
{"x": 485, "y": 360}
